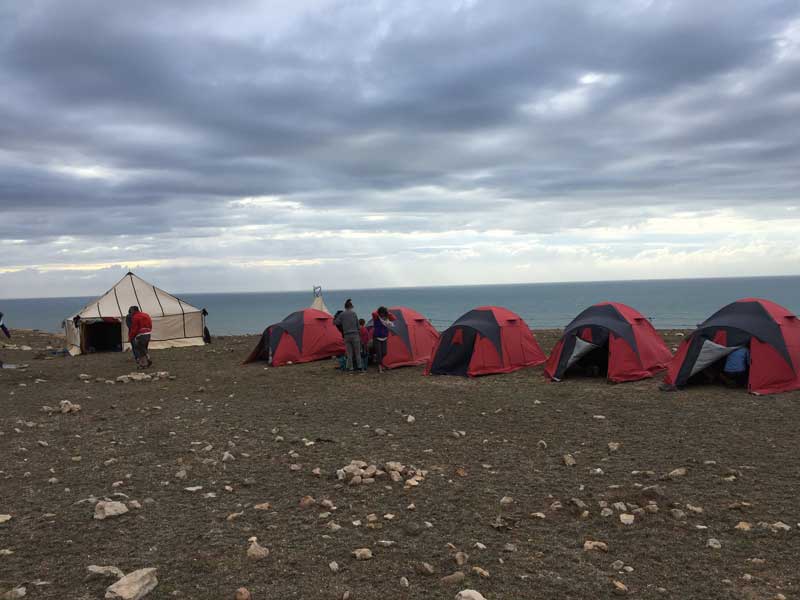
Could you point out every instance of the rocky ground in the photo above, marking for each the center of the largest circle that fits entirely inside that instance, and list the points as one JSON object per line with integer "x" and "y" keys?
{"x": 508, "y": 485}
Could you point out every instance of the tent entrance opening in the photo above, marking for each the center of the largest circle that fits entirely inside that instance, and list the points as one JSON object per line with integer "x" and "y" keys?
{"x": 592, "y": 362}
{"x": 102, "y": 336}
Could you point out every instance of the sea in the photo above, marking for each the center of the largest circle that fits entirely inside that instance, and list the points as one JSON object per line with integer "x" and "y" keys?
{"x": 668, "y": 303}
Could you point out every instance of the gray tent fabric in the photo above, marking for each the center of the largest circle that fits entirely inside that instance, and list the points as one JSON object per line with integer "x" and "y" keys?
{"x": 710, "y": 353}
{"x": 175, "y": 322}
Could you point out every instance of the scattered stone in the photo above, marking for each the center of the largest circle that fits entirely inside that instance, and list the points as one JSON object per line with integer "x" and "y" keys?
{"x": 263, "y": 506}
{"x": 410, "y": 419}
{"x": 714, "y": 543}
{"x": 695, "y": 509}
{"x": 538, "y": 515}
{"x": 594, "y": 545}
{"x": 454, "y": 578}
{"x": 743, "y": 526}
{"x": 675, "y": 473}
{"x": 133, "y": 586}
{"x": 5, "y": 518}
{"x": 13, "y": 594}
{"x": 242, "y": 594}
{"x": 97, "y": 572}
{"x": 617, "y": 565}
{"x": 228, "y": 457}
{"x": 469, "y": 595}
{"x": 194, "y": 488}
{"x": 333, "y": 566}
{"x": 542, "y": 445}
{"x": 256, "y": 551}
{"x": 678, "y": 514}
{"x": 506, "y": 501}
{"x": 307, "y": 501}
{"x": 606, "y": 512}
{"x": 66, "y": 407}
{"x": 480, "y": 546}
{"x": 627, "y": 519}
{"x": 613, "y": 446}
{"x": 404, "y": 582}
{"x": 362, "y": 554}
{"x": 482, "y": 573}
{"x": 461, "y": 558}
{"x": 425, "y": 569}
{"x": 105, "y": 509}
{"x": 619, "y": 588}
{"x": 569, "y": 460}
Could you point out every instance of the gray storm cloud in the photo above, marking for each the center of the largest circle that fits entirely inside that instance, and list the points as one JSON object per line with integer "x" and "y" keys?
{"x": 464, "y": 141}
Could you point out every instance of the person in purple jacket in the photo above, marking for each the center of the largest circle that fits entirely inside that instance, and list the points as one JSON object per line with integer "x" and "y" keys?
{"x": 381, "y": 322}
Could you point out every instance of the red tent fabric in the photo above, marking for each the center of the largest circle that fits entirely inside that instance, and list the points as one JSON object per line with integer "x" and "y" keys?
{"x": 486, "y": 340}
{"x": 771, "y": 333}
{"x": 634, "y": 348}
{"x": 411, "y": 340}
{"x": 303, "y": 336}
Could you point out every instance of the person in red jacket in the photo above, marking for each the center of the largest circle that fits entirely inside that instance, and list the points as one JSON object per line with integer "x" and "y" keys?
{"x": 139, "y": 336}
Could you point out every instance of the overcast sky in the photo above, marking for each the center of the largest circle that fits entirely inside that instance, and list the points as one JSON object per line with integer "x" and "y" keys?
{"x": 251, "y": 146}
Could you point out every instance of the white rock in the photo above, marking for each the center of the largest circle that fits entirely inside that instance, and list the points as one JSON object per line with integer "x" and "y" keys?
{"x": 714, "y": 543}
{"x": 227, "y": 457}
{"x": 104, "y": 509}
{"x": 133, "y": 586}
{"x": 256, "y": 551}
{"x": 333, "y": 566}
{"x": 18, "y": 592}
{"x": 362, "y": 553}
{"x": 410, "y": 419}
{"x": 469, "y": 595}
{"x": 627, "y": 519}
{"x": 5, "y": 518}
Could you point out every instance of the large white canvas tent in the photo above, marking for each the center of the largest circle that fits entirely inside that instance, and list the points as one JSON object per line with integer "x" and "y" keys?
{"x": 100, "y": 325}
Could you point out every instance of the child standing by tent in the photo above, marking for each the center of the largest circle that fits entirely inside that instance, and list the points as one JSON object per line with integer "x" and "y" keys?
{"x": 381, "y": 321}
{"x": 363, "y": 332}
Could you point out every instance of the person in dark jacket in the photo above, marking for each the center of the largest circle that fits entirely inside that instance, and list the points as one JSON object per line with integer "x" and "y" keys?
{"x": 139, "y": 336}
{"x": 381, "y": 323}
{"x": 347, "y": 320}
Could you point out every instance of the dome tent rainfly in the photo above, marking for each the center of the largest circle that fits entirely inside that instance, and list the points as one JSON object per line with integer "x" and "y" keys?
{"x": 411, "y": 339}
{"x": 303, "y": 336}
{"x": 612, "y": 333}
{"x": 483, "y": 341}
{"x": 771, "y": 333}
{"x": 100, "y": 325}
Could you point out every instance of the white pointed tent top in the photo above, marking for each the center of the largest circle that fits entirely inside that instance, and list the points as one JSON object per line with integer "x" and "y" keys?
{"x": 319, "y": 303}
{"x": 132, "y": 290}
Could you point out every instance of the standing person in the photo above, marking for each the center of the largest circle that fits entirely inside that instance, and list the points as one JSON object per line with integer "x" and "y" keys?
{"x": 736, "y": 371}
{"x": 139, "y": 336}
{"x": 5, "y": 330}
{"x": 382, "y": 322}
{"x": 363, "y": 333}
{"x": 128, "y": 324}
{"x": 348, "y": 321}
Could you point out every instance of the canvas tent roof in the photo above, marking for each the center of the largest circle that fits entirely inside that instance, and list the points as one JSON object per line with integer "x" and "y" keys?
{"x": 132, "y": 290}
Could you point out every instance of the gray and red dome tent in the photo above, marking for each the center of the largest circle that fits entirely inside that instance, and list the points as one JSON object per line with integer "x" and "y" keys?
{"x": 411, "y": 340}
{"x": 768, "y": 330}
{"x": 483, "y": 341}
{"x": 633, "y": 348}
{"x": 303, "y": 336}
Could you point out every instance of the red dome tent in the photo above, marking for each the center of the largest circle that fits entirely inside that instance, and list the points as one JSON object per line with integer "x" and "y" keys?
{"x": 303, "y": 336}
{"x": 411, "y": 340}
{"x": 623, "y": 337}
{"x": 771, "y": 333}
{"x": 486, "y": 340}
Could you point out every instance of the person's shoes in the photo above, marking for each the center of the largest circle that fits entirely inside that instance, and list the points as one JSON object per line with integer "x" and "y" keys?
{"x": 149, "y": 362}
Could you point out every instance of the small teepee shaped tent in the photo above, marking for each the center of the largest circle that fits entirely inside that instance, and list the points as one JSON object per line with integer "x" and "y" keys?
{"x": 101, "y": 326}
{"x": 319, "y": 303}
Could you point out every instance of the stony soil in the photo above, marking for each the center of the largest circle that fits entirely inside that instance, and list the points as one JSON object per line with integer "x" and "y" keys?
{"x": 740, "y": 453}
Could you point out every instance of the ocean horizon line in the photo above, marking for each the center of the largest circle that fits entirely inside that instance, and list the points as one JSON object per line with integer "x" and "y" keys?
{"x": 425, "y": 287}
